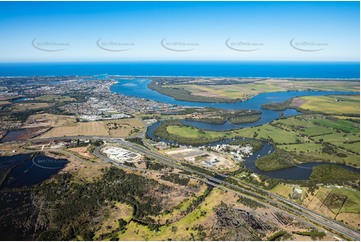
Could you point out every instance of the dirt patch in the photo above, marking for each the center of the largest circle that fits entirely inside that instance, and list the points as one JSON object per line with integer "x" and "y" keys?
{"x": 352, "y": 219}
{"x": 123, "y": 127}
{"x": 111, "y": 214}
{"x": 51, "y": 120}
{"x": 297, "y": 102}
{"x": 82, "y": 151}
{"x": 4, "y": 103}
{"x": 81, "y": 171}
{"x": 297, "y": 237}
{"x": 204, "y": 158}
{"x": 113, "y": 128}
{"x": 320, "y": 204}
{"x": 18, "y": 107}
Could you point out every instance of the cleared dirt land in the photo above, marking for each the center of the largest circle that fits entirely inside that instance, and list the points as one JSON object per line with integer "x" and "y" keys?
{"x": 113, "y": 128}
{"x": 200, "y": 157}
{"x": 18, "y": 107}
{"x": 81, "y": 171}
{"x": 4, "y": 102}
{"x": 46, "y": 119}
{"x": 83, "y": 151}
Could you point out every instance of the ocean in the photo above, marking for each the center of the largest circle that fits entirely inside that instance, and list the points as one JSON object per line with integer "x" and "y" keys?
{"x": 275, "y": 69}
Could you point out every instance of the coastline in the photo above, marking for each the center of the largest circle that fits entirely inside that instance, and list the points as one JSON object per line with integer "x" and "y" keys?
{"x": 354, "y": 79}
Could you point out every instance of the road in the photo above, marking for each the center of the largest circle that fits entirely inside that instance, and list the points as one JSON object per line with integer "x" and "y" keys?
{"x": 295, "y": 205}
{"x": 272, "y": 201}
{"x": 296, "y": 208}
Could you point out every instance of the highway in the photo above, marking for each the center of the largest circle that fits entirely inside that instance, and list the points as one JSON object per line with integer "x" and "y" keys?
{"x": 296, "y": 208}
{"x": 271, "y": 200}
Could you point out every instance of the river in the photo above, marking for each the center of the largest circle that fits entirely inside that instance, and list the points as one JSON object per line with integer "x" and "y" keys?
{"x": 138, "y": 87}
{"x": 299, "y": 172}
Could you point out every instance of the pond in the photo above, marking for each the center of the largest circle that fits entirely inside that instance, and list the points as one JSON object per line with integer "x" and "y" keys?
{"x": 29, "y": 169}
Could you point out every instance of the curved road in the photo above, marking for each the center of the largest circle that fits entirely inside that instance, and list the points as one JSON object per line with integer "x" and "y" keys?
{"x": 273, "y": 201}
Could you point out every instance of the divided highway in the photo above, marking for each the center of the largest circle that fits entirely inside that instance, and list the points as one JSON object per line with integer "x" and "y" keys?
{"x": 294, "y": 207}
{"x": 270, "y": 200}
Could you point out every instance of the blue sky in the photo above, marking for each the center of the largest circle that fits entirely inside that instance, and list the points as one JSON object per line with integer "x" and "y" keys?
{"x": 123, "y": 31}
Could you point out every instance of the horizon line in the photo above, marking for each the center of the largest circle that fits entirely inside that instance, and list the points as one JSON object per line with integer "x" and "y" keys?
{"x": 125, "y": 61}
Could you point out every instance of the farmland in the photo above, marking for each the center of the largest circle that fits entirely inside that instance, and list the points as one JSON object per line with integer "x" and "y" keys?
{"x": 193, "y": 133}
{"x": 337, "y": 105}
{"x": 340, "y": 203}
{"x": 213, "y": 90}
{"x": 49, "y": 120}
{"x": 175, "y": 130}
{"x": 314, "y": 136}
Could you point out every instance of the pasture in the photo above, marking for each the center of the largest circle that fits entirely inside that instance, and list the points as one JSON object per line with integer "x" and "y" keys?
{"x": 54, "y": 98}
{"x": 192, "y": 133}
{"x": 309, "y": 135}
{"x": 338, "y": 105}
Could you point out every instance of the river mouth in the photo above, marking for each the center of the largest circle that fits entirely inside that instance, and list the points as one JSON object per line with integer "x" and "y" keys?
{"x": 138, "y": 87}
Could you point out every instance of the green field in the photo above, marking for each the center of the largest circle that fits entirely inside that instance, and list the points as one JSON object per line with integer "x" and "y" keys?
{"x": 282, "y": 189}
{"x": 338, "y": 124}
{"x": 351, "y": 142}
{"x": 352, "y": 204}
{"x": 192, "y": 133}
{"x": 187, "y": 133}
{"x": 267, "y": 132}
{"x": 308, "y": 135}
{"x": 54, "y": 98}
{"x": 332, "y": 104}
{"x": 184, "y": 134}
{"x": 303, "y": 124}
